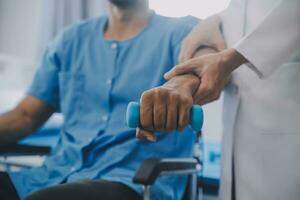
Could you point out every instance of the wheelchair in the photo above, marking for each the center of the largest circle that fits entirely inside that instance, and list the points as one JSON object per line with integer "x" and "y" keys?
{"x": 152, "y": 168}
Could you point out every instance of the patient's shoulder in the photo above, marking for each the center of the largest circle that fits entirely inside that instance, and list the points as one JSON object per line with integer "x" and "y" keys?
{"x": 83, "y": 28}
{"x": 177, "y": 27}
{"x": 174, "y": 23}
{"x": 74, "y": 36}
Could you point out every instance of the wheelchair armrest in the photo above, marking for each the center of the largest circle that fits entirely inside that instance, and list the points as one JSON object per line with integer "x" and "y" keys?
{"x": 151, "y": 168}
{"x": 24, "y": 150}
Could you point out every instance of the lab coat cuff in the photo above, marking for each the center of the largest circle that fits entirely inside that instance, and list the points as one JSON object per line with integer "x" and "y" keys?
{"x": 256, "y": 60}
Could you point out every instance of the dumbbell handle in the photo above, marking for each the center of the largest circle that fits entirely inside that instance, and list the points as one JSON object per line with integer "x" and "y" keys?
{"x": 133, "y": 116}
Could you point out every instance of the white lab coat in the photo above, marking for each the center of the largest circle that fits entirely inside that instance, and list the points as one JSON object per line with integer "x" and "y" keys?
{"x": 261, "y": 114}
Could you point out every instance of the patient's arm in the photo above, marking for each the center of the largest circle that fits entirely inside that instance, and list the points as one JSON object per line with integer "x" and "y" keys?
{"x": 28, "y": 116}
{"x": 167, "y": 108}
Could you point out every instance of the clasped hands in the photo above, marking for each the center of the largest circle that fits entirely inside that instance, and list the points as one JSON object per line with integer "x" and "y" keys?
{"x": 204, "y": 70}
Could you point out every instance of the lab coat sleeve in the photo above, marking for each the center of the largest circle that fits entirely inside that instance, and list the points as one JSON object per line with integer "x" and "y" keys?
{"x": 274, "y": 41}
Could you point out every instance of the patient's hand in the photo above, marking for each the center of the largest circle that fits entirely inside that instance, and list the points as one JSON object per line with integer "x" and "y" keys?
{"x": 166, "y": 108}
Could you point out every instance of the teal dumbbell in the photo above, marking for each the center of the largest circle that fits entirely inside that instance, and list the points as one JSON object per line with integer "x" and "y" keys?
{"x": 133, "y": 116}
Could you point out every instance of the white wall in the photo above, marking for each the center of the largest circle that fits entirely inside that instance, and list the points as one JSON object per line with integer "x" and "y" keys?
{"x": 198, "y": 8}
{"x": 19, "y": 36}
{"x": 20, "y": 27}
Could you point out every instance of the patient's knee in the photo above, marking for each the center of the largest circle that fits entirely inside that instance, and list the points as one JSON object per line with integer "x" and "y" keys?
{"x": 40, "y": 195}
{"x": 36, "y": 196}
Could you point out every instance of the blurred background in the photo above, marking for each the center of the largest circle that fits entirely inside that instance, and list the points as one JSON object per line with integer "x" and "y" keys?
{"x": 26, "y": 27}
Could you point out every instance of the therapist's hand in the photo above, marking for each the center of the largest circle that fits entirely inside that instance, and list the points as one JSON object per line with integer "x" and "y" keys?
{"x": 214, "y": 70}
{"x": 167, "y": 108}
{"x": 206, "y": 34}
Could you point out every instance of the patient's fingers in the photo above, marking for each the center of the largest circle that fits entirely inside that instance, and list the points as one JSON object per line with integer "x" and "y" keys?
{"x": 145, "y": 135}
{"x": 159, "y": 110}
{"x": 146, "y": 111}
{"x": 172, "y": 113}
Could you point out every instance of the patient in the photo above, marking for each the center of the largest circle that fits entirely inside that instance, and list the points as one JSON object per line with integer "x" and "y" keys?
{"x": 90, "y": 73}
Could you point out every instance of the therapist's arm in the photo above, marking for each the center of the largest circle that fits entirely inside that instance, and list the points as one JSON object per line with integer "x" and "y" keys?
{"x": 264, "y": 50}
{"x": 27, "y": 117}
{"x": 214, "y": 70}
{"x": 275, "y": 40}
